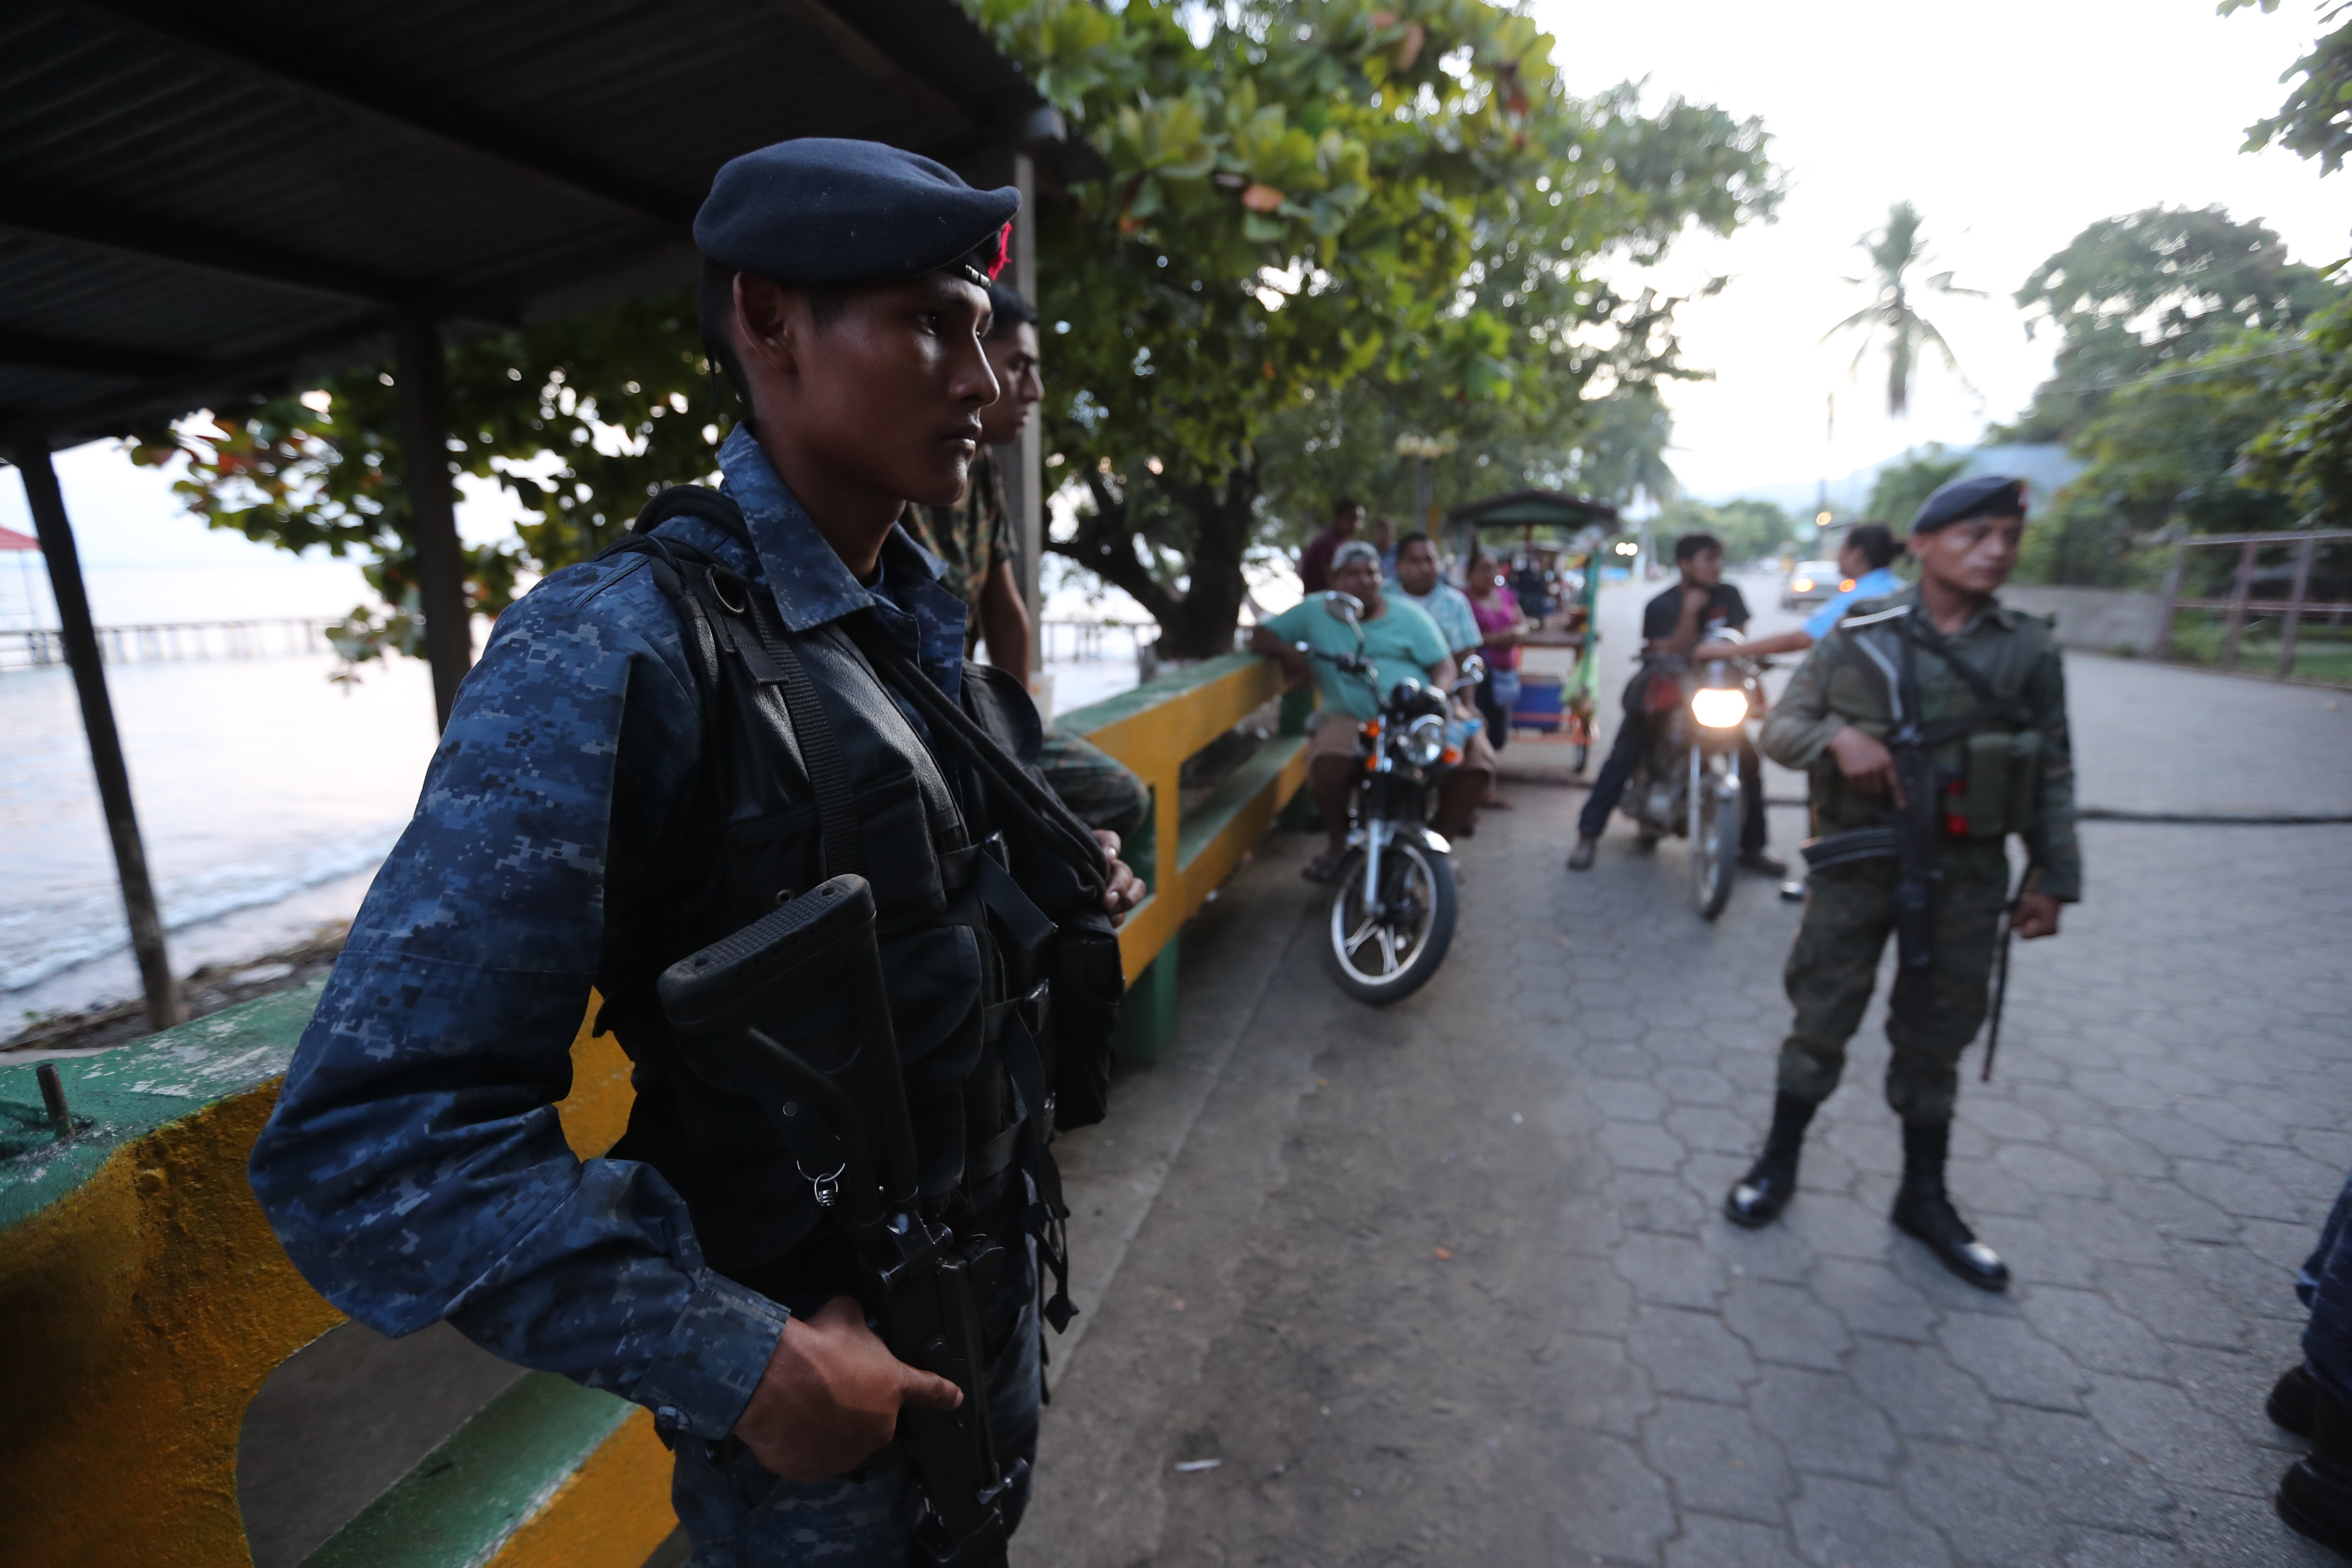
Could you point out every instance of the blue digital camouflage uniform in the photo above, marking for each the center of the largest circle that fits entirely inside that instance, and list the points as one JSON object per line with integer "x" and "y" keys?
{"x": 415, "y": 1168}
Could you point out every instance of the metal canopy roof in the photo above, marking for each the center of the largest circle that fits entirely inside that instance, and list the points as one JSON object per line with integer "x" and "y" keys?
{"x": 1539, "y": 507}
{"x": 196, "y": 199}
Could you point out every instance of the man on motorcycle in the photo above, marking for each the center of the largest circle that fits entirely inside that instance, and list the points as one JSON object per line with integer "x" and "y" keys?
{"x": 1933, "y": 724}
{"x": 1673, "y": 623}
{"x": 1398, "y": 640}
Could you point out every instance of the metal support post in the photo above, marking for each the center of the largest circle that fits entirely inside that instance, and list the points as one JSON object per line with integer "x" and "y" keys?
{"x": 164, "y": 1006}
{"x": 2302, "y": 590}
{"x": 2239, "y": 593}
{"x": 423, "y": 382}
{"x": 2171, "y": 601}
{"x": 1026, "y": 475}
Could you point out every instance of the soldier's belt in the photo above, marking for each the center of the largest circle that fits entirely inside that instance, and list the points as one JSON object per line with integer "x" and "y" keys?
{"x": 1846, "y": 848}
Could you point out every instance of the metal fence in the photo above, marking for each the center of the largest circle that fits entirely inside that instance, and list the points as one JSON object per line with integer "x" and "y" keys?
{"x": 1077, "y": 640}
{"x": 33, "y": 650}
{"x": 2241, "y": 603}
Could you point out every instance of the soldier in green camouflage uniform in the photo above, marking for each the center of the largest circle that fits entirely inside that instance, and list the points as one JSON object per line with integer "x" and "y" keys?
{"x": 2009, "y": 773}
{"x": 974, "y": 538}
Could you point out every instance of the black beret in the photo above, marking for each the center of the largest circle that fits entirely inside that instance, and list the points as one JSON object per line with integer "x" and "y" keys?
{"x": 1986, "y": 495}
{"x": 824, "y": 211}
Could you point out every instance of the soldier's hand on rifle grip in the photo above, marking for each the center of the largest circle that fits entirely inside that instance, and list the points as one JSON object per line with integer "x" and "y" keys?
{"x": 829, "y": 1399}
{"x": 1126, "y": 888}
{"x": 1866, "y": 764}
{"x": 2037, "y": 915}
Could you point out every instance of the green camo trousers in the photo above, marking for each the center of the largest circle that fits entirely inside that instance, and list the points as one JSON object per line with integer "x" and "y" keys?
{"x": 1099, "y": 789}
{"x": 1848, "y": 914}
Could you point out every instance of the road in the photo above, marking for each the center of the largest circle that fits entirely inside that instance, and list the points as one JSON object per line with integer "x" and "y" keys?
{"x": 1445, "y": 1283}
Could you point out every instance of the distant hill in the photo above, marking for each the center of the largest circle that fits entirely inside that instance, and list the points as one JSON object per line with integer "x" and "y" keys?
{"x": 2044, "y": 469}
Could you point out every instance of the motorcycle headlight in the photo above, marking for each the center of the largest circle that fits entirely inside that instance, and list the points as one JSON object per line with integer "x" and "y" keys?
{"x": 1422, "y": 741}
{"x": 1719, "y": 707}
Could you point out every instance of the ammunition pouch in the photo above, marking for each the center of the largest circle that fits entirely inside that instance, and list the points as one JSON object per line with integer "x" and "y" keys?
{"x": 2000, "y": 788}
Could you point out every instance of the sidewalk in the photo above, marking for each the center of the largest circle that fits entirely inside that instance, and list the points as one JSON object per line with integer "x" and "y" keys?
{"x": 1445, "y": 1284}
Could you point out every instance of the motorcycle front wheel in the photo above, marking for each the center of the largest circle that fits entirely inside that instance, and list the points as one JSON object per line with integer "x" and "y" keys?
{"x": 1713, "y": 837}
{"x": 1381, "y": 959}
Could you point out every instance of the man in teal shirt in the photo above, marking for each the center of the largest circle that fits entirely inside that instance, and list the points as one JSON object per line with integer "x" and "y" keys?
{"x": 1400, "y": 641}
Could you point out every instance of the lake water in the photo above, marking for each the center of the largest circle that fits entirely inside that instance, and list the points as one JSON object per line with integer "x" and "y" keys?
{"x": 268, "y": 797}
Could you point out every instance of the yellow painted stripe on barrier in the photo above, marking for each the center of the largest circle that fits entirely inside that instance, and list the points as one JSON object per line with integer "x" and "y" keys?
{"x": 612, "y": 1513}
{"x": 143, "y": 1312}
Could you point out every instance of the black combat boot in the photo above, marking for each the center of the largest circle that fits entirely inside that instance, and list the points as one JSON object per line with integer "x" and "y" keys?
{"x": 2314, "y": 1496}
{"x": 2289, "y": 1406}
{"x": 1758, "y": 1197}
{"x": 1922, "y": 1209}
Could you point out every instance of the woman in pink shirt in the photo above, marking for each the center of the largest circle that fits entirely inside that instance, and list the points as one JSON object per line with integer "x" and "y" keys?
{"x": 1505, "y": 627}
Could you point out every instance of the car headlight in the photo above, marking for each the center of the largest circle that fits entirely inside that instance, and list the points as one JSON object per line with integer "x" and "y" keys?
{"x": 1719, "y": 707}
{"x": 1802, "y": 586}
{"x": 1422, "y": 741}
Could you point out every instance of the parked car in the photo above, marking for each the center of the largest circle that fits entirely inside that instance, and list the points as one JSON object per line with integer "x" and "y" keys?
{"x": 1812, "y": 582}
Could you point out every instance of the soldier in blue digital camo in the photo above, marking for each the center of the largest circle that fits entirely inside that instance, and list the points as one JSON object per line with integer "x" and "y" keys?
{"x": 581, "y": 826}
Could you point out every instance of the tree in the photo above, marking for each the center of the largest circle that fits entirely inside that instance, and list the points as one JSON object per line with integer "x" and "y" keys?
{"x": 1751, "y": 530}
{"x": 2316, "y": 122}
{"x": 2165, "y": 450}
{"x": 2306, "y": 453}
{"x": 1336, "y": 223}
{"x": 1895, "y": 252}
{"x": 581, "y": 421}
{"x": 1902, "y": 485}
{"x": 2130, "y": 295}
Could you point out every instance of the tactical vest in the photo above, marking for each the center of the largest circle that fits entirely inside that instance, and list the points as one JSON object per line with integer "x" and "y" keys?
{"x": 1988, "y": 760}
{"x": 963, "y": 947}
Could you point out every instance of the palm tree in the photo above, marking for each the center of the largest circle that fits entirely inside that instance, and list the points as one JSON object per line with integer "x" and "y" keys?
{"x": 1894, "y": 252}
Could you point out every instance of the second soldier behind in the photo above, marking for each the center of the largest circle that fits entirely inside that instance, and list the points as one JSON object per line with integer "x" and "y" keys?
{"x": 1933, "y": 724}
{"x": 973, "y": 537}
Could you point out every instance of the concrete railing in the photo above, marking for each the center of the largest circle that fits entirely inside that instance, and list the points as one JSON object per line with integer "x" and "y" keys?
{"x": 143, "y": 1300}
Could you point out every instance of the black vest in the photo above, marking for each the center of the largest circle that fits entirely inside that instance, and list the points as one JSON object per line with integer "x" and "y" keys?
{"x": 747, "y": 838}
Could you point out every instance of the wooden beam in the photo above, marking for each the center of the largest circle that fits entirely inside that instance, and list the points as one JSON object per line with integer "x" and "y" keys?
{"x": 421, "y": 377}
{"x": 406, "y": 109}
{"x": 47, "y": 501}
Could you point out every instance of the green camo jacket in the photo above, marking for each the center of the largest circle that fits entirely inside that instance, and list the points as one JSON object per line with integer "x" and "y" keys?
{"x": 1840, "y": 684}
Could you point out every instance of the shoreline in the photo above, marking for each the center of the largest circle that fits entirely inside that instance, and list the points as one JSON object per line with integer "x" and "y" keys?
{"x": 208, "y": 989}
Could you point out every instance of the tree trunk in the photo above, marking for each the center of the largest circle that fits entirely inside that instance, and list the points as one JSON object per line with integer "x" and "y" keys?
{"x": 1197, "y": 623}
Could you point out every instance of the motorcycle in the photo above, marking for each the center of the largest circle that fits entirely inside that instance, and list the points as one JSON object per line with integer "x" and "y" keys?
{"x": 1393, "y": 903}
{"x": 1689, "y": 782}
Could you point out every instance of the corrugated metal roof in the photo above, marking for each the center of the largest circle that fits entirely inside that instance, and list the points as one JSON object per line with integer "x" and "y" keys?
{"x": 191, "y": 197}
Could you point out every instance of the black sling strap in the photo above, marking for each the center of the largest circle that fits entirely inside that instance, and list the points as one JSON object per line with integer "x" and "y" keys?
{"x": 950, "y": 725}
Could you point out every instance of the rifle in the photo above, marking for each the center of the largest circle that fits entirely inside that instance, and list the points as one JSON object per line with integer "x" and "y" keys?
{"x": 2001, "y": 970}
{"x": 918, "y": 1285}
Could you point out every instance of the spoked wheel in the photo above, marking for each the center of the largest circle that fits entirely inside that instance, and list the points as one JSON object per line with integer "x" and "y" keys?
{"x": 1714, "y": 834}
{"x": 1379, "y": 957}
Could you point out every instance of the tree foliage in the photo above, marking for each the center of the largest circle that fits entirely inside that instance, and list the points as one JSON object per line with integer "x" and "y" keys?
{"x": 2168, "y": 451}
{"x": 579, "y": 421}
{"x": 1902, "y": 485}
{"x": 1331, "y": 223}
{"x": 1896, "y": 252}
{"x": 2315, "y": 121}
{"x": 2134, "y": 294}
{"x": 1751, "y": 530}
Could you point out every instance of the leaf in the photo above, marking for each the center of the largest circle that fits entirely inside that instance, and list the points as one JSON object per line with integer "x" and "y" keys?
{"x": 1262, "y": 198}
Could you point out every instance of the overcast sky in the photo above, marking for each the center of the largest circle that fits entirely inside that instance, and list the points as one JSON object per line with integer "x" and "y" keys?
{"x": 2011, "y": 124}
